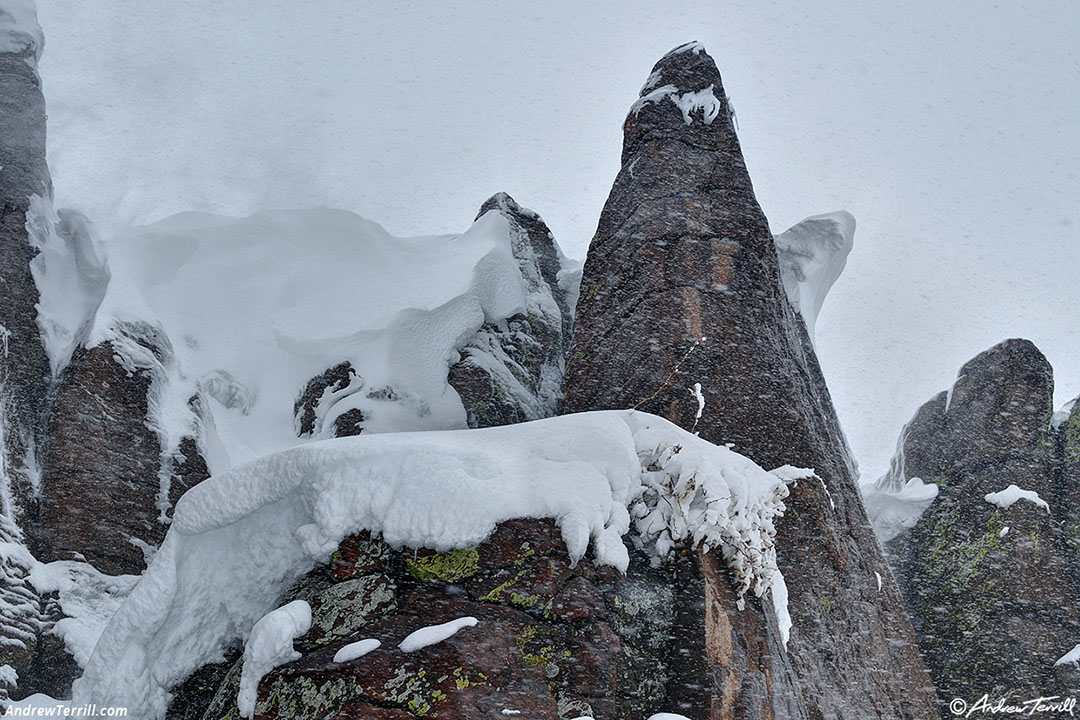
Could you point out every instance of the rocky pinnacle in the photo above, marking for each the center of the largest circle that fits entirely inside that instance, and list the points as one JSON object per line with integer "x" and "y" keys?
{"x": 682, "y": 286}
{"x": 993, "y": 588}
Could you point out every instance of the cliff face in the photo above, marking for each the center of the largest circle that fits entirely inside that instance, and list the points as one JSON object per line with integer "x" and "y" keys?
{"x": 24, "y": 367}
{"x": 682, "y": 286}
{"x": 102, "y": 461}
{"x": 993, "y": 589}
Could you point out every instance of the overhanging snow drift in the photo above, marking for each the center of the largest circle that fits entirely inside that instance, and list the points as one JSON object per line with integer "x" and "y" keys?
{"x": 239, "y": 539}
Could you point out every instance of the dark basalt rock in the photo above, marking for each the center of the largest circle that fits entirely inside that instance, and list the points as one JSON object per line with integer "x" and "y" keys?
{"x": 100, "y": 468}
{"x": 683, "y": 252}
{"x": 349, "y": 423}
{"x": 993, "y": 611}
{"x": 512, "y": 371}
{"x": 102, "y": 463}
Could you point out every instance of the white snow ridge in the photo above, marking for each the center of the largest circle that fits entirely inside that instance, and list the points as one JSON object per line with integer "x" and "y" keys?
{"x": 239, "y": 539}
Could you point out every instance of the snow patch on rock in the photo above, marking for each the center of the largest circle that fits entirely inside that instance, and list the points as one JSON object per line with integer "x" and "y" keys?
{"x": 1006, "y": 498}
{"x": 9, "y": 679}
{"x": 1073, "y": 656}
{"x": 432, "y": 634}
{"x": 688, "y": 102}
{"x": 19, "y": 28}
{"x": 270, "y": 645}
{"x": 694, "y": 46}
{"x": 88, "y": 599}
{"x": 356, "y": 650}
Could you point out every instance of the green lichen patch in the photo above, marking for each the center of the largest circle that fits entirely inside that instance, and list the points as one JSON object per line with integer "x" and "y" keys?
{"x": 543, "y": 647}
{"x": 956, "y": 558}
{"x": 420, "y": 694}
{"x": 1070, "y": 435}
{"x": 514, "y": 592}
{"x": 416, "y": 690}
{"x": 302, "y": 697}
{"x": 412, "y": 690}
{"x": 448, "y": 567}
{"x": 464, "y": 679}
{"x": 956, "y": 590}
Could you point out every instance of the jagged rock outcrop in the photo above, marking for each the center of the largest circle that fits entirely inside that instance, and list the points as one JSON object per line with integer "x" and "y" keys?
{"x": 24, "y": 366}
{"x": 682, "y": 286}
{"x": 320, "y": 394}
{"x": 509, "y": 371}
{"x": 512, "y": 371}
{"x": 993, "y": 591}
{"x": 1067, "y": 481}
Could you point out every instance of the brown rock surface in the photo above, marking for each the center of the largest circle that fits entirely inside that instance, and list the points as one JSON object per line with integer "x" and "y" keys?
{"x": 683, "y": 252}
{"x": 102, "y": 461}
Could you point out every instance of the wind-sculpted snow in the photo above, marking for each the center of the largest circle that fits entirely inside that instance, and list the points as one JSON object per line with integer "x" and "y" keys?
{"x": 239, "y": 539}
{"x": 272, "y": 300}
{"x": 71, "y": 275}
{"x": 812, "y": 255}
{"x": 19, "y": 28}
{"x": 270, "y": 645}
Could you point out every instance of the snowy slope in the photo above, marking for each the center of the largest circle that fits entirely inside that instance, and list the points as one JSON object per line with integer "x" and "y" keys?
{"x": 242, "y": 314}
{"x": 241, "y": 538}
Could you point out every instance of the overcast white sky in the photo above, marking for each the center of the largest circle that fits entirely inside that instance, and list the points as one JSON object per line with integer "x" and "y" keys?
{"x": 949, "y": 130}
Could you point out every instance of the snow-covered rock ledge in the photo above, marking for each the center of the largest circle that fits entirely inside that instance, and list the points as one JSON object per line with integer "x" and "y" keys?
{"x": 239, "y": 539}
